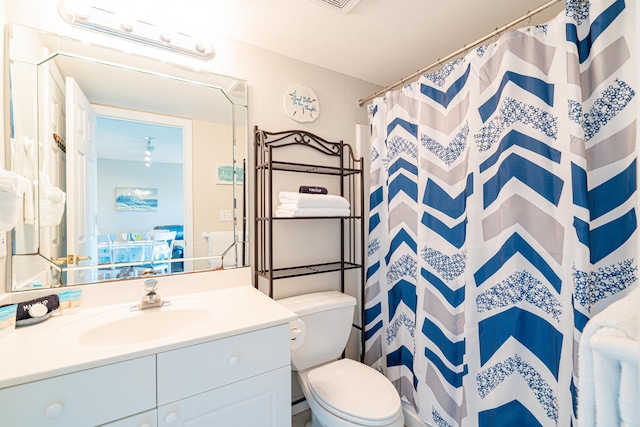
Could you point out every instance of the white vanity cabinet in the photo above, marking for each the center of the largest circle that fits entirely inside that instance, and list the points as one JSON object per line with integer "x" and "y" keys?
{"x": 242, "y": 381}
{"x": 233, "y": 370}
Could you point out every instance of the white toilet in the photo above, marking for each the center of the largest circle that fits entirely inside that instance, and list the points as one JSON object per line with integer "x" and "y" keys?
{"x": 341, "y": 393}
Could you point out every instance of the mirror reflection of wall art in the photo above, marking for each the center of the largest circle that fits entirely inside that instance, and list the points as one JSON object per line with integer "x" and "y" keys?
{"x": 136, "y": 199}
{"x": 224, "y": 174}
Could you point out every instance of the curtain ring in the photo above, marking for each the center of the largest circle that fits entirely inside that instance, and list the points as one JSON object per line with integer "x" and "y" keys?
{"x": 528, "y": 21}
{"x": 496, "y": 36}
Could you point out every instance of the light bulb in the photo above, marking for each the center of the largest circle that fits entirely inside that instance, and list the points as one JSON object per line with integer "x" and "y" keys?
{"x": 77, "y": 9}
{"x": 166, "y": 35}
{"x": 204, "y": 46}
{"x": 127, "y": 21}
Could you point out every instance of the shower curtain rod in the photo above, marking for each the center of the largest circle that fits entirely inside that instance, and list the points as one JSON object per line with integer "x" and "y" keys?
{"x": 494, "y": 33}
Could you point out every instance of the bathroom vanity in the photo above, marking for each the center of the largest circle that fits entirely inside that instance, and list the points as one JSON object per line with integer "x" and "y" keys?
{"x": 215, "y": 358}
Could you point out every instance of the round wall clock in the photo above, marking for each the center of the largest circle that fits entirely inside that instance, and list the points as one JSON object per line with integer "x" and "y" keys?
{"x": 301, "y": 103}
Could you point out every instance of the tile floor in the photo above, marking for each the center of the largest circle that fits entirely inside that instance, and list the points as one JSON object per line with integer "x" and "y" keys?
{"x": 300, "y": 420}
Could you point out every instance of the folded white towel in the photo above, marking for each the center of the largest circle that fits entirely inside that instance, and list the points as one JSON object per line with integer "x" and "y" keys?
{"x": 52, "y": 202}
{"x": 599, "y": 385}
{"x": 12, "y": 187}
{"x": 306, "y": 200}
{"x": 289, "y": 211}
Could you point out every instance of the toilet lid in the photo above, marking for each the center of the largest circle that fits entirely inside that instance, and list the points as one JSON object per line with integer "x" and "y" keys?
{"x": 355, "y": 392}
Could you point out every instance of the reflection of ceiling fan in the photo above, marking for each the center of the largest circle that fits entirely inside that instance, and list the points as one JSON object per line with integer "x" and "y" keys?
{"x": 118, "y": 139}
{"x": 148, "y": 153}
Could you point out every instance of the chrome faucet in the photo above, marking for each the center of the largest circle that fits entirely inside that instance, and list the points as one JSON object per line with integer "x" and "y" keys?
{"x": 151, "y": 298}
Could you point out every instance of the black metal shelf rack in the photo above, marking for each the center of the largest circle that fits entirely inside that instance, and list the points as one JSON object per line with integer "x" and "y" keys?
{"x": 337, "y": 160}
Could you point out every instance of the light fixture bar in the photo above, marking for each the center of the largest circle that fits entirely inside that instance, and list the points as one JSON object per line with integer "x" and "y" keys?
{"x": 106, "y": 22}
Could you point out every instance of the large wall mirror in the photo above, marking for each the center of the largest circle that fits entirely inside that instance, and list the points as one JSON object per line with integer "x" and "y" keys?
{"x": 135, "y": 166}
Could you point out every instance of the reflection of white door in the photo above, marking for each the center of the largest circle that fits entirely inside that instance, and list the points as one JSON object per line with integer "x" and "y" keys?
{"x": 82, "y": 236}
{"x": 52, "y": 157}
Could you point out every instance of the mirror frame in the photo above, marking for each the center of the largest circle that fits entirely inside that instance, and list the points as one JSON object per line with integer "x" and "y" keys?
{"x": 238, "y": 107}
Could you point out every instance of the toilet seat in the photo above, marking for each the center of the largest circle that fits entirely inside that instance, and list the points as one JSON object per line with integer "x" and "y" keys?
{"x": 354, "y": 392}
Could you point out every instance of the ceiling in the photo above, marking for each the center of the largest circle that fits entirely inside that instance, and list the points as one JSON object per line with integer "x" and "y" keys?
{"x": 379, "y": 41}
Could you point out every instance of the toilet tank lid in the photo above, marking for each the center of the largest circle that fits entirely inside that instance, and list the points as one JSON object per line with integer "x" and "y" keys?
{"x": 317, "y": 301}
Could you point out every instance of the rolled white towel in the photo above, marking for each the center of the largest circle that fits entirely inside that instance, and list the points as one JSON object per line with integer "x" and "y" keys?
{"x": 12, "y": 188}
{"x": 305, "y": 200}
{"x": 290, "y": 211}
{"x": 52, "y": 202}
{"x": 599, "y": 384}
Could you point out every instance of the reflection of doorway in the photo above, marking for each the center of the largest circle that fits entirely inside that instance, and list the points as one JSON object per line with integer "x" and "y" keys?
{"x": 122, "y": 137}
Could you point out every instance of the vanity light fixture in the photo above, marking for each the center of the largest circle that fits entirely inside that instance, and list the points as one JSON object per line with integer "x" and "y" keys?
{"x": 81, "y": 14}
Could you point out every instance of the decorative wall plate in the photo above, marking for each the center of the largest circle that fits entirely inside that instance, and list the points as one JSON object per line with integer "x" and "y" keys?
{"x": 301, "y": 103}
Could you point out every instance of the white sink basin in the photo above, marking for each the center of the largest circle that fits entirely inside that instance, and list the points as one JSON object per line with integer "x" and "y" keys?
{"x": 122, "y": 326}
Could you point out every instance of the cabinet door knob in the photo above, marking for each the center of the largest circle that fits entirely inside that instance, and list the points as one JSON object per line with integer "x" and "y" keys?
{"x": 53, "y": 410}
{"x": 145, "y": 424}
{"x": 233, "y": 361}
{"x": 171, "y": 418}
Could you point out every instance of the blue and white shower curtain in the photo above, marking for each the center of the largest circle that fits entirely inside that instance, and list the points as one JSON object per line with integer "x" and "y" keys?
{"x": 502, "y": 217}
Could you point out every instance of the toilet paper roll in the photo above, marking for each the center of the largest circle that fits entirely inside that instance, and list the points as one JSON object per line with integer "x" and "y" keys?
{"x": 297, "y": 330}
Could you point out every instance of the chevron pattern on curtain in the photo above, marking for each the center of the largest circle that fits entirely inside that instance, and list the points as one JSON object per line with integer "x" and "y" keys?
{"x": 502, "y": 217}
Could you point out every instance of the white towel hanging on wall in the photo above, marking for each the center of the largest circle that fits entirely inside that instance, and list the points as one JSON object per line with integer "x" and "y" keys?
{"x": 12, "y": 189}
{"x": 52, "y": 202}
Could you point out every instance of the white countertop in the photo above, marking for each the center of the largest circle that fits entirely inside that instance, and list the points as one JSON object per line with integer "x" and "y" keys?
{"x": 35, "y": 352}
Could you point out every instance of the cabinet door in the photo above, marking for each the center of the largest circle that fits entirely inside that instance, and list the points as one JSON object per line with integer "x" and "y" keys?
{"x": 260, "y": 401}
{"x": 146, "y": 419}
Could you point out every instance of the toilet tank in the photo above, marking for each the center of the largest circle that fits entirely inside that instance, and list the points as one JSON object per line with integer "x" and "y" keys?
{"x": 327, "y": 317}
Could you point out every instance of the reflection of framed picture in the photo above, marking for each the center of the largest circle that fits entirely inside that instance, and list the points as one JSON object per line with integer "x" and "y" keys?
{"x": 224, "y": 174}
{"x": 136, "y": 199}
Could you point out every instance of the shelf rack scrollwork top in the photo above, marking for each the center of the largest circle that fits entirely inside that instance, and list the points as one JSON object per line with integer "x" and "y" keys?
{"x": 300, "y": 137}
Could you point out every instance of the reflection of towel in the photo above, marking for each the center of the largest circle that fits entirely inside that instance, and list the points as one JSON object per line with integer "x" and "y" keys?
{"x": 12, "y": 187}
{"x": 289, "y": 211}
{"x": 304, "y": 200}
{"x": 603, "y": 381}
{"x": 27, "y": 170}
{"x": 52, "y": 200}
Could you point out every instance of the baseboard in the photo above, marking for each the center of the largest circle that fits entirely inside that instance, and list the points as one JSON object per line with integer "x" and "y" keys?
{"x": 299, "y": 407}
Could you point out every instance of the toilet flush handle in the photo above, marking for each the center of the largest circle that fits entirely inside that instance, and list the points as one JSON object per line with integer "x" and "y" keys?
{"x": 297, "y": 330}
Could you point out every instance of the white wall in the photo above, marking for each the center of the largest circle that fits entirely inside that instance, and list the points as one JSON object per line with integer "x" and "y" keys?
{"x": 166, "y": 177}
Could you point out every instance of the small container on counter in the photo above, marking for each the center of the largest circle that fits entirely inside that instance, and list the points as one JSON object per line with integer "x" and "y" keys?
{"x": 7, "y": 319}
